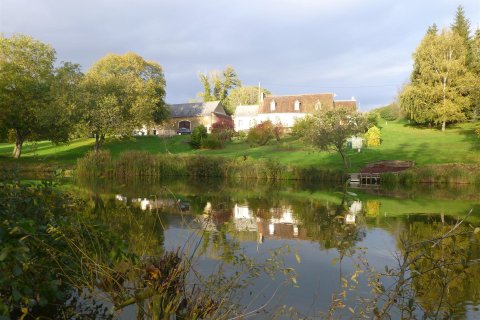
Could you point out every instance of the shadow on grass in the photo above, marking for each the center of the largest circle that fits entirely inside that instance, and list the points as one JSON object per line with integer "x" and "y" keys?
{"x": 472, "y": 138}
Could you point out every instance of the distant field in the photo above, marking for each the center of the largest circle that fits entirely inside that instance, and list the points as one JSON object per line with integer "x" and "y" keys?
{"x": 400, "y": 141}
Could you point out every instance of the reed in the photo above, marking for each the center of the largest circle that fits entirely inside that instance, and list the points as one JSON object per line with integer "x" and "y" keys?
{"x": 449, "y": 174}
{"x": 154, "y": 166}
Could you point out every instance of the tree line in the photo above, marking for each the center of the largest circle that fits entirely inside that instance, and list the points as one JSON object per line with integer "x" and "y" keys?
{"x": 40, "y": 100}
{"x": 444, "y": 85}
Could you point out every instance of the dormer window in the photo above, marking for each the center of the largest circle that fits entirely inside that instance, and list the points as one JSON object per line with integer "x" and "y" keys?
{"x": 296, "y": 105}
{"x": 272, "y": 105}
{"x": 318, "y": 106}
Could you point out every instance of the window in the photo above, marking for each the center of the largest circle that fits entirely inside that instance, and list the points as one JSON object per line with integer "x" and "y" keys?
{"x": 297, "y": 105}
{"x": 318, "y": 106}
{"x": 272, "y": 105}
{"x": 154, "y": 132}
{"x": 239, "y": 123}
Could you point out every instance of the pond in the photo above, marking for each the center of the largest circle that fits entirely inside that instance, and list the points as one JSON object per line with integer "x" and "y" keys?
{"x": 289, "y": 250}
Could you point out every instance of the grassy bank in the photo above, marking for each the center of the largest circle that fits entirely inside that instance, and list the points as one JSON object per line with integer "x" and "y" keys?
{"x": 400, "y": 141}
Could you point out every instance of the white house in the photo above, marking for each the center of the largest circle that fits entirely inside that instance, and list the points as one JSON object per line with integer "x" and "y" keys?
{"x": 285, "y": 110}
{"x": 245, "y": 117}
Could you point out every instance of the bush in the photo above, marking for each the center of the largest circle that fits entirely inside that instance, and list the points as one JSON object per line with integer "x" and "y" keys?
{"x": 223, "y": 131}
{"x": 372, "y": 137}
{"x": 198, "y": 134}
{"x": 261, "y": 133}
{"x": 278, "y": 131}
{"x": 372, "y": 119}
{"x": 212, "y": 142}
{"x": 301, "y": 126}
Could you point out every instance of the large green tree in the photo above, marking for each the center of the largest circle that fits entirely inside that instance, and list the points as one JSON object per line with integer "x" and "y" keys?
{"x": 247, "y": 95}
{"x": 330, "y": 130}
{"x": 33, "y": 97}
{"x": 122, "y": 93}
{"x": 217, "y": 85}
{"x": 441, "y": 83}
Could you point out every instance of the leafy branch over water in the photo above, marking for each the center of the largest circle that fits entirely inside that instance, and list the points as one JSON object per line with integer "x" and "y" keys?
{"x": 435, "y": 269}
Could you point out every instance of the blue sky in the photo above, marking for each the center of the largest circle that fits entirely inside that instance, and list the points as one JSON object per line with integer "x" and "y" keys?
{"x": 359, "y": 48}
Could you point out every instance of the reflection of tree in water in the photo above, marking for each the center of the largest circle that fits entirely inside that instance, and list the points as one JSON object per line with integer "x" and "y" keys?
{"x": 143, "y": 231}
{"x": 324, "y": 223}
{"x": 445, "y": 272}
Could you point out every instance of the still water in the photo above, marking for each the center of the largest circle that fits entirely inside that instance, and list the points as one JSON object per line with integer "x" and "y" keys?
{"x": 323, "y": 246}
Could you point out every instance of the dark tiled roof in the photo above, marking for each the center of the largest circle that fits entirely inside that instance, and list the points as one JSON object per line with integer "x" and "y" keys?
{"x": 196, "y": 109}
{"x": 309, "y": 103}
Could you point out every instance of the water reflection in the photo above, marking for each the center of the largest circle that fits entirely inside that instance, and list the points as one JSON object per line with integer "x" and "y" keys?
{"x": 321, "y": 225}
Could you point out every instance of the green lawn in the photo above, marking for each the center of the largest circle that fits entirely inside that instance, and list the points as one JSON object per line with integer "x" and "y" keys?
{"x": 400, "y": 141}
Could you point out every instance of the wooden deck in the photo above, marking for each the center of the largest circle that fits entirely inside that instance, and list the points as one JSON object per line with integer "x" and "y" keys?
{"x": 370, "y": 174}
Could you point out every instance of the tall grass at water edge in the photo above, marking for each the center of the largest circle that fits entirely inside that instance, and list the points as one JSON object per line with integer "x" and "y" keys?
{"x": 449, "y": 174}
{"x": 144, "y": 164}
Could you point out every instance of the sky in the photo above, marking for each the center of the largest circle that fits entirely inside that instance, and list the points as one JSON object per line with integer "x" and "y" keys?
{"x": 352, "y": 48}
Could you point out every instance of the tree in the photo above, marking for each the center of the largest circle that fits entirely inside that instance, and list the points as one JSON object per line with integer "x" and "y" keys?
{"x": 247, "y": 95}
{"x": 31, "y": 91}
{"x": 65, "y": 97}
{"x": 122, "y": 93}
{"x": 461, "y": 26}
{"x": 217, "y": 85}
{"x": 198, "y": 135}
{"x": 330, "y": 130}
{"x": 475, "y": 67}
{"x": 441, "y": 81}
{"x": 433, "y": 29}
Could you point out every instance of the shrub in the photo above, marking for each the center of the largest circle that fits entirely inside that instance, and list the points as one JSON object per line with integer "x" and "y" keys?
{"x": 223, "y": 131}
{"x": 301, "y": 126}
{"x": 278, "y": 131}
{"x": 261, "y": 133}
{"x": 372, "y": 119}
{"x": 212, "y": 142}
{"x": 372, "y": 137}
{"x": 198, "y": 134}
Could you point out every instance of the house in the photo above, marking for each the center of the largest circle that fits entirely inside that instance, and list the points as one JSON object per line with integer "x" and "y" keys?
{"x": 188, "y": 116}
{"x": 245, "y": 117}
{"x": 287, "y": 109}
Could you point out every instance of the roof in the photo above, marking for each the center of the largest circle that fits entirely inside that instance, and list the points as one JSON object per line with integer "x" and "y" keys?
{"x": 196, "y": 109}
{"x": 309, "y": 103}
{"x": 246, "y": 111}
{"x": 350, "y": 104}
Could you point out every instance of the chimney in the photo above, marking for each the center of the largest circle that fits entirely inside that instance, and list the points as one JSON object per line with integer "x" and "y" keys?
{"x": 260, "y": 94}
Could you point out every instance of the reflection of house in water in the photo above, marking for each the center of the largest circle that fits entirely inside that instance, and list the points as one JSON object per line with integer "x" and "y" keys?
{"x": 281, "y": 223}
{"x": 354, "y": 209}
{"x": 152, "y": 204}
{"x": 243, "y": 218}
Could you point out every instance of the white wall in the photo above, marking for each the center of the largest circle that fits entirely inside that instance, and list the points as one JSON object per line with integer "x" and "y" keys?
{"x": 286, "y": 119}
